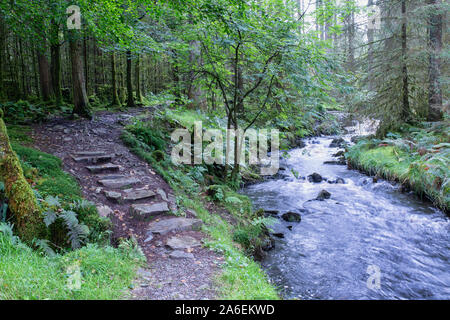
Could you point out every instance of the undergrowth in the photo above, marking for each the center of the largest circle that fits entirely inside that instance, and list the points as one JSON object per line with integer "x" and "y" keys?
{"x": 241, "y": 278}
{"x": 418, "y": 157}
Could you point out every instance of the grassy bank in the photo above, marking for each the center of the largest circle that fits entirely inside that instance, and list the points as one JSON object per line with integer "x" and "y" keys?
{"x": 417, "y": 157}
{"x": 42, "y": 272}
{"x": 235, "y": 231}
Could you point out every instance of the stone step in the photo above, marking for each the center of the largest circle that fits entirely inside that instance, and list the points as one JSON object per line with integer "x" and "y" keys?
{"x": 138, "y": 194}
{"x": 103, "y": 167}
{"x": 173, "y": 224}
{"x": 119, "y": 183}
{"x": 182, "y": 243}
{"x": 89, "y": 153}
{"x": 110, "y": 176}
{"x": 147, "y": 211}
{"x": 93, "y": 159}
{"x": 112, "y": 195}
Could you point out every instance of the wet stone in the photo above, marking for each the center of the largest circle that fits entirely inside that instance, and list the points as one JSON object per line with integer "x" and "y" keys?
{"x": 104, "y": 211}
{"x": 111, "y": 195}
{"x": 119, "y": 183}
{"x": 146, "y": 211}
{"x": 103, "y": 167}
{"x": 89, "y": 153}
{"x": 93, "y": 159}
{"x": 181, "y": 255}
{"x": 162, "y": 193}
{"x": 291, "y": 217}
{"x": 174, "y": 224}
{"x": 134, "y": 195}
{"x": 182, "y": 242}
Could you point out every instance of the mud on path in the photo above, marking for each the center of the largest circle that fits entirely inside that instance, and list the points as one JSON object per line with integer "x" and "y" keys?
{"x": 181, "y": 270}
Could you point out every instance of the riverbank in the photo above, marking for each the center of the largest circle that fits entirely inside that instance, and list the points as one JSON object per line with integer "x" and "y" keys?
{"x": 42, "y": 270}
{"x": 418, "y": 158}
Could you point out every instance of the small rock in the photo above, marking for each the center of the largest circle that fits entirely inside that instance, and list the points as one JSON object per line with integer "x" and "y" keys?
{"x": 291, "y": 216}
{"x": 192, "y": 212}
{"x": 149, "y": 238}
{"x": 335, "y": 162}
{"x": 177, "y": 254}
{"x": 290, "y": 228}
{"x": 162, "y": 193}
{"x": 339, "y": 154}
{"x": 111, "y": 195}
{"x": 338, "y": 143}
{"x": 315, "y": 177}
{"x": 324, "y": 194}
{"x": 272, "y": 212}
{"x": 182, "y": 242}
{"x": 104, "y": 211}
{"x": 279, "y": 235}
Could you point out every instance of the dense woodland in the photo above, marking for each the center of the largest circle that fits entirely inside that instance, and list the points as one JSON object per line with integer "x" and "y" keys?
{"x": 295, "y": 53}
{"x": 245, "y": 63}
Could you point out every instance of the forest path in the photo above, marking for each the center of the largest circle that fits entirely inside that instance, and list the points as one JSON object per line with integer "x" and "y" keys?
{"x": 127, "y": 190}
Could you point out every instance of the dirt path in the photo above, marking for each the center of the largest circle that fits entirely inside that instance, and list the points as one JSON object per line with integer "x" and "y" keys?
{"x": 127, "y": 190}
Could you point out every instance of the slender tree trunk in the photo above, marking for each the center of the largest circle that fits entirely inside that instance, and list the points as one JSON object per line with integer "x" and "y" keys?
{"x": 2, "y": 55}
{"x": 55, "y": 63}
{"x": 85, "y": 61}
{"x": 80, "y": 100}
{"x": 434, "y": 46}
{"x": 405, "y": 107}
{"x": 370, "y": 38}
{"x": 35, "y": 72}
{"x": 138, "y": 81}
{"x": 44, "y": 77}
{"x": 130, "y": 99}
{"x": 351, "y": 39}
{"x": 115, "y": 96}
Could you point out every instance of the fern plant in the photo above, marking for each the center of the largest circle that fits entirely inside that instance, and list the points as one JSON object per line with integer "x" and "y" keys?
{"x": 77, "y": 233}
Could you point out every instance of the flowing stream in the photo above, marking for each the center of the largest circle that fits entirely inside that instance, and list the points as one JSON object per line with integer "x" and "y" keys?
{"x": 341, "y": 243}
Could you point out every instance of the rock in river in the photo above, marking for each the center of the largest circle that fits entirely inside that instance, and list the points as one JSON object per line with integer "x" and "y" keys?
{"x": 324, "y": 194}
{"x": 315, "y": 177}
{"x": 291, "y": 216}
{"x": 338, "y": 143}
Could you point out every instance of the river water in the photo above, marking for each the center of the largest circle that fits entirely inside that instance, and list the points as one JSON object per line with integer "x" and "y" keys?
{"x": 364, "y": 235}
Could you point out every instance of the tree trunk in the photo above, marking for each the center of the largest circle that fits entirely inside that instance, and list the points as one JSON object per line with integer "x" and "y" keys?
{"x": 55, "y": 67}
{"x": 80, "y": 100}
{"x": 405, "y": 106}
{"x": 138, "y": 81}
{"x": 194, "y": 92}
{"x": 130, "y": 99}
{"x": 2, "y": 55}
{"x": 44, "y": 77}
{"x": 434, "y": 46}
{"x": 370, "y": 38}
{"x": 22, "y": 202}
{"x": 85, "y": 61}
{"x": 55, "y": 63}
{"x": 115, "y": 96}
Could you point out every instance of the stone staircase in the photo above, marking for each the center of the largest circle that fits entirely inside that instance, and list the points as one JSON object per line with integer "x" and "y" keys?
{"x": 121, "y": 187}
{"x": 144, "y": 204}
